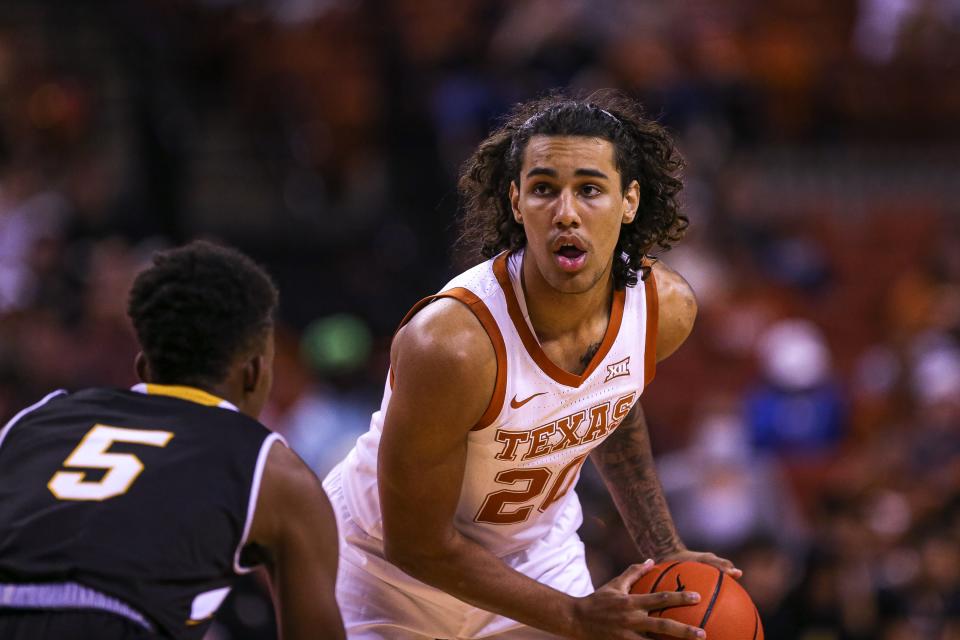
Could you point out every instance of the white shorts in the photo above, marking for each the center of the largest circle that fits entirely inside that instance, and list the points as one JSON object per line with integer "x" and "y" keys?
{"x": 378, "y": 600}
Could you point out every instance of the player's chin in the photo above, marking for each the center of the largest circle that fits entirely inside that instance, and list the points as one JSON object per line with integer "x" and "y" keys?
{"x": 573, "y": 283}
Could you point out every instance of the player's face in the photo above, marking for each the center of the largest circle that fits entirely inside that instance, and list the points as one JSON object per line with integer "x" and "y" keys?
{"x": 571, "y": 205}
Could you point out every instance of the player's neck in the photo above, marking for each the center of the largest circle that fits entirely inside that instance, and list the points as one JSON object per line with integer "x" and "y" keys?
{"x": 555, "y": 313}
{"x": 227, "y": 390}
{"x": 225, "y": 393}
{"x": 231, "y": 390}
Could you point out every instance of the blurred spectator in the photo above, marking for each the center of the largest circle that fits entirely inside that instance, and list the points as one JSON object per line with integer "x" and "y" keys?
{"x": 723, "y": 493}
{"x": 770, "y": 573}
{"x": 321, "y": 421}
{"x": 30, "y": 214}
{"x": 797, "y": 410}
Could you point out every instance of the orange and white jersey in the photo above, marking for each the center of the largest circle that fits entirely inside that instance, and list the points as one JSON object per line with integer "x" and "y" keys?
{"x": 525, "y": 454}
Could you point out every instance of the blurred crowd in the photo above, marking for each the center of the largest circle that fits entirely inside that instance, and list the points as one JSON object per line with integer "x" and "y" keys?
{"x": 810, "y": 427}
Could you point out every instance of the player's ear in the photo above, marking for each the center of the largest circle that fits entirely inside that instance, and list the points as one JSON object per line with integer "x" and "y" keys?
{"x": 253, "y": 372}
{"x": 631, "y": 202}
{"x": 515, "y": 202}
{"x": 142, "y": 367}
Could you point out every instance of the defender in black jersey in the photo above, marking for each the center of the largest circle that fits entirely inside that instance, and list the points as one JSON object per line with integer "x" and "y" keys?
{"x": 126, "y": 513}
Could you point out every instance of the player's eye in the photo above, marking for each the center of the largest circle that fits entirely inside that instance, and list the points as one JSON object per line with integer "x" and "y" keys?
{"x": 590, "y": 190}
{"x": 540, "y": 189}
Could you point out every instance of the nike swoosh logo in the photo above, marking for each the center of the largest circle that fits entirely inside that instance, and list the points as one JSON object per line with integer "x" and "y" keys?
{"x": 516, "y": 405}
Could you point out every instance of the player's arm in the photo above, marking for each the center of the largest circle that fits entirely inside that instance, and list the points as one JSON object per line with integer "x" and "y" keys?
{"x": 625, "y": 462}
{"x": 625, "y": 459}
{"x": 677, "y": 309}
{"x": 444, "y": 375}
{"x": 295, "y": 528}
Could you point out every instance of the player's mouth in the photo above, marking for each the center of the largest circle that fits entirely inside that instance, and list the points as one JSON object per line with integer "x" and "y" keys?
{"x": 570, "y": 254}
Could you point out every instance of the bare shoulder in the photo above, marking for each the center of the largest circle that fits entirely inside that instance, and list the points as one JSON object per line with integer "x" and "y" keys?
{"x": 677, "y": 309}
{"x": 444, "y": 353}
{"x": 285, "y": 470}
{"x": 290, "y": 496}
{"x": 444, "y": 333}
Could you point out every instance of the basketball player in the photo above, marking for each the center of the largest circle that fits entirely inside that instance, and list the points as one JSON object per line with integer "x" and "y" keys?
{"x": 126, "y": 514}
{"x": 457, "y": 509}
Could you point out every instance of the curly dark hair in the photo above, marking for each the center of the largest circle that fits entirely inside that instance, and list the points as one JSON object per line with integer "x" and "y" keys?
{"x": 643, "y": 151}
{"x": 197, "y": 308}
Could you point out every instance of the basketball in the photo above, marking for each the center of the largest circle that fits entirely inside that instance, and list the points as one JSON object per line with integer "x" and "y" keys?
{"x": 725, "y": 611}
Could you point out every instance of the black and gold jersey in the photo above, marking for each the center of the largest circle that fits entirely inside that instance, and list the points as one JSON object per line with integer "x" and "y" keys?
{"x": 145, "y": 495}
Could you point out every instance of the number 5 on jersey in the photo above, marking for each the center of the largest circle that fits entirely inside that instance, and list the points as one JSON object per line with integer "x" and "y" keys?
{"x": 91, "y": 453}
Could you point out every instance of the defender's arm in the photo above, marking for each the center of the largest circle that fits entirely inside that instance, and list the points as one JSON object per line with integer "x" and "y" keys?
{"x": 295, "y": 526}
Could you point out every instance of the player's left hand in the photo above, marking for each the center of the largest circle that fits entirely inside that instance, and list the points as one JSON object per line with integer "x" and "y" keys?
{"x": 687, "y": 555}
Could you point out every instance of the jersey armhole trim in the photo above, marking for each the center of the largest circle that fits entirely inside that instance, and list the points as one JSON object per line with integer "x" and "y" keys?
{"x": 414, "y": 310}
{"x": 252, "y": 502}
{"x": 36, "y": 405}
{"x": 482, "y": 313}
{"x": 653, "y": 322}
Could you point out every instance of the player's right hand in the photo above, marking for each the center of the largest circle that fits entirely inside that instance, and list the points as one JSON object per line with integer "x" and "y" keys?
{"x": 613, "y": 613}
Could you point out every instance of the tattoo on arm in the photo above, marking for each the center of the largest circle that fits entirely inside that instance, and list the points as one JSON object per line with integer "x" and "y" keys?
{"x": 588, "y": 356}
{"x": 625, "y": 462}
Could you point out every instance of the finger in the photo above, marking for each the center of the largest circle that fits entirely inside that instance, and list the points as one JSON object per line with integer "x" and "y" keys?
{"x": 625, "y": 580}
{"x": 723, "y": 564}
{"x": 671, "y": 628}
{"x": 664, "y": 600}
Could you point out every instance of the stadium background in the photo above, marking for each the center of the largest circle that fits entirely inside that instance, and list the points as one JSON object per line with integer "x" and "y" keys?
{"x": 809, "y": 428}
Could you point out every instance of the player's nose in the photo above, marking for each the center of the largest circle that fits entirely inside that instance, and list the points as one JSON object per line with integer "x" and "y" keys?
{"x": 566, "y": 212}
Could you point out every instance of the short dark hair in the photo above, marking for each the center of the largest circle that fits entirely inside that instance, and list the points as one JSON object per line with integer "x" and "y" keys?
{"x": 643, "y": 151}
{"x": 197, "y": 308}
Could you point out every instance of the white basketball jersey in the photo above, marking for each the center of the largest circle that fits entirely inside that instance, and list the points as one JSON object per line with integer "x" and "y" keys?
{"x": 525, "y": 454}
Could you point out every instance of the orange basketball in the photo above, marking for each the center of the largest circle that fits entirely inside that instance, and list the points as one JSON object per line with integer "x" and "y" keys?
{"x": 725, "y": 611}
